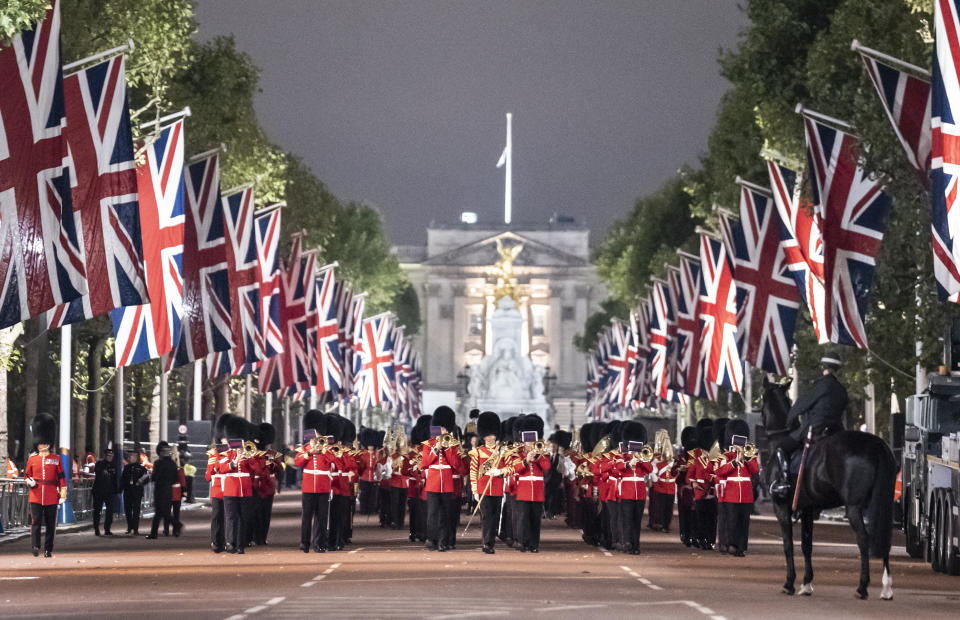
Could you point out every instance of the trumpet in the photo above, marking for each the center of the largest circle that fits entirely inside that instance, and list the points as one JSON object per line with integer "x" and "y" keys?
{"x": 750, "y": 451}
{"x": 645, "y": 455}
{"x": 540, "y": 448}
{"x": 447, "y": 440}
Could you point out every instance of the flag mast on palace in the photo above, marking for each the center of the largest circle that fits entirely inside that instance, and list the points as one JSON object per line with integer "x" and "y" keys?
{"x": 506, "y": 160}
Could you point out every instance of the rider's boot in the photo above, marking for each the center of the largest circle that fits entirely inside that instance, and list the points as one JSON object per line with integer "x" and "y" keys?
{"x": 780, "y": 488}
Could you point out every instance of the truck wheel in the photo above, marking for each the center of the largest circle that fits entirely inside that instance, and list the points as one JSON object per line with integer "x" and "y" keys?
{"x": 934, "y": 554}
{"x": 951, "y": 564}
{"x": 910, "y": 530}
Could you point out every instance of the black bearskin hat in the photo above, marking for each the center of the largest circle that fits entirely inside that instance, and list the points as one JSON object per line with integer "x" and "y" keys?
{"x": 720, "y": 430}
{"x": 367, "y": 437}
{"x": 445, "y": 417}
{"x": 506, "y": 428}
{"x": 529, "y": 422}
{"x": 421, "y": 430}
{"x": 735, "y": 427}
{"x": 704, "y": 436}
{"x": 587, "y": 442}
{"x": 332, "y": 423}
{"x": 488, "y": 423}
{"x": 44, "y": 429}
{"x": 231, "y": 426}
{"x": 563, "y": 439}
{"x": 316, "y": 420}
{"x": 474, "y": 414}
{"x": 348, "y": 431}
{"x": 378, "y": 442}
{"x": 632, "y": 431}
{"x": 268, "y": 434}
{"x": 688, "y": 438}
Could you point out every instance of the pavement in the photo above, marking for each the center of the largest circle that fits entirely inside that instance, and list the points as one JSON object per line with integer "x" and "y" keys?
{"x": 383, "y": 575}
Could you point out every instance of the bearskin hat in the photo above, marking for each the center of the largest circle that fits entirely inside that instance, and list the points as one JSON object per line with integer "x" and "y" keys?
{"x": 563, "y": 439}
{"x": 688, "y": 438}
{"x": 445, "y": 417}
{"x": 704, "y": 436}
{"x": 506, "y": 428}
{"x": 720, "y": 430}
{"x": 231, "y": 426}
{"x": 378, "y": 442}
{"x": 367, "y": 437}
{"x": 474, "y": 414}
{"x": 348, "y": 431}
{"x": 44, "y": 429}
{"x": 316, "y": 420}
{"x": 421, "y": 430}
{"x": 268, "y": 434}
{"x": 488, "y": 423}
{"x": 529, "y": 422}
{"x": 331, "y": 425}
{"x": 735, "y": 427}
{"x": 586, "y": 437}
{"x": 631, "y": 430}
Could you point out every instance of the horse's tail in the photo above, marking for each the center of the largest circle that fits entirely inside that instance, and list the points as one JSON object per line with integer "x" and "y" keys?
{"x": 880, "y": 508}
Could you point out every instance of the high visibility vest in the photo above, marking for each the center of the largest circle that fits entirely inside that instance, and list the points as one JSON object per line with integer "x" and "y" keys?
{"x": 12, "y": 471}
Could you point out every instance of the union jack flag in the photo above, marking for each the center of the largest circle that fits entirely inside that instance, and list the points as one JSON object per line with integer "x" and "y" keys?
{"x": 767, "y": 295}
{"x": 151, "y": 330}
{"x": 945, "y": 163}
{"x": 662, "y": 330}
{"x": 350, "y": 311}
{"x": 329, "y": 368}
{"x": 401, "y": 348}
{"x": 105, "y": 194}
{"x": 41, "y": 262}
{"x": 373, "y": 362}
{"x": 641, "y": 381}
{"x": 717, "y": 309}
{"x": 854, "y": 209}
{"x": 801, "y": 242}
{"x": 267, "y": 229}
{"x": 621, "y": 365}
{"x": 244, "y": 276}
{"x": 298, "y": 285}
{"x": 685, "y": 285}
{"x": 206, "y": 276}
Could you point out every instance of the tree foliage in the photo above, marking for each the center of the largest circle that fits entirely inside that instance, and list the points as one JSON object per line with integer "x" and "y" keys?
{"x": 20, "y": 15}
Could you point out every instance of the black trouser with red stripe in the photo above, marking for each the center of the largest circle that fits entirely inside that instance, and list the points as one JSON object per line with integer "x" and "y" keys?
{"x": 528, "y": 522}
{"x": 706, "y": 522}
{"x": 45, "y": 516}
{"x": 738, "y": 524}
{"x": 661, "y": 509}
{"x": 630, "y": 512}
{"x": 313, "y": 522}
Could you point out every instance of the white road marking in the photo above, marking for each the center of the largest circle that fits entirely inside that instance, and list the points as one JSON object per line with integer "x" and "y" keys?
{"x": 237, "y": 617}
{"x": 17, "y": 578}
{"x": 274, "y": 601}
{"x": 472, "y": 614}
{"x": 642, "y": 580}
{"x": 255, "y": 610}
{"x": 355, "y": 550}
{"x": 608, "y": 554}
{"x": 308, "y": 584}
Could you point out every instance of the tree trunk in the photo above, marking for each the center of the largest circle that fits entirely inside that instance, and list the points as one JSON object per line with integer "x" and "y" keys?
{"x": 221, "y": 395}
{"x": 34, "y": 352}
{"x": 7, "y": 337}
{"x": 94, "y": 419}
{"x": 78, "y": 410}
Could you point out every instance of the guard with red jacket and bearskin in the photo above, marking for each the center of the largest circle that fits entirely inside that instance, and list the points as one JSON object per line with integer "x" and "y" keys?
{"x": 439, "y": 464}
{"x": 45, "y": 476}
{"x": 319, "y": 465}
{"x": 530, "y": 466}
{"x": 487, "y": 469}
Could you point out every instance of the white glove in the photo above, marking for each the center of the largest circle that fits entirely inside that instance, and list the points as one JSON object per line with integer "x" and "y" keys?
{"x": 494, "y": 472}
{"x": 30, "y": 482}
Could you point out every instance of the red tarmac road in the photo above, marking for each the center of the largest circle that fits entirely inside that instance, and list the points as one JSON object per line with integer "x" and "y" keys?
{"x": 382, "y": 575}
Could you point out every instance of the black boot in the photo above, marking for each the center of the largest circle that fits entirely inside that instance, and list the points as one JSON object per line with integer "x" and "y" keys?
{"x": 780, "y": 488}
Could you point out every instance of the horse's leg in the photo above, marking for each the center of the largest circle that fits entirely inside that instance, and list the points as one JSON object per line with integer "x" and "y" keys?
{"x": 786, "y": 532}
{"x": 886, "y": 592}
{"x": 806, "y": 546}
{"x": 855, "y": 516}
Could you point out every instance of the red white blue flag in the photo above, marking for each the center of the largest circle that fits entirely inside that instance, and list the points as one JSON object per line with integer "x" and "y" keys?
{"x": 152, "y": 330}
{"x": 41, "y": 261}
{"x": 662, "y": 332}
{"x": 767, "y": 295}
{"x": 373, "y": 373}
{"x": 328, "y": 363}
{"x": 685, "y": 282}
{"x": 105, "y": 203}
{"x": 621, "y": 365}
{"x": 854, "y": 208}
{"x": 717, "y": 309}
{"x": 945, "y": 162}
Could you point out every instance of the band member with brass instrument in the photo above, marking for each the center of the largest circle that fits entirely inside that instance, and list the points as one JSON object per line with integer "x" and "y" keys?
{"x": 686, "y": 515}
{"x": 461, "y": 474}
{"x": 737, "y": 467}
{"x": 439, "y": 459}
{"x": 319, "y": 464}
{"x": 341, "y": 509}
{"x": 607, "y": 491}
{"x": 587, "y": 512}
{"x": 487, "y": 468}
{"x": 705, "y": 500}
{"x": 632, "y": 467}
{"x": 238, "y": 469}
{"x": 272, "y": 469}
{"x": 505, "y": 526}
{"x": 664, "y": 486}
{"x": 417, "y": 492}
{"x": 399, "y": 481}
{"x": 367, "y": 463}
{"x": 46, "y": 479}
{"x": 531, "y": 464}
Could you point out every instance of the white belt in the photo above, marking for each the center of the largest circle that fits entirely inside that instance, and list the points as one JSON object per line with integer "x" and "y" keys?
{"x": 531, "y": 478}
{"x": 176, "y": 486}
{"x": 316, "y": 472}
{"x": 738, "y": 479}
{"x": 456, "y": 476}
{"x": 440, "y": 467}
{"x": 238, "y": 474}
{"x": 631, "y": 479}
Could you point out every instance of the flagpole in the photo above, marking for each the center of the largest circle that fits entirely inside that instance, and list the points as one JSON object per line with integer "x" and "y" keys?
{"x": 164, "y": 404}
{"x": 169, "y": 117}
{"x": 248, "y": 398}
{"x": 197, "y": 389}
{"x": 895, "y": 62}
{"x": 116, "y": 51}
{"x": 65, "y": 512}
{"x": 508, "y": 183}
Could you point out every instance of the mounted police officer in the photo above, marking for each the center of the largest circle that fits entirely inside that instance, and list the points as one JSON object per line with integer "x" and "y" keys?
{"x": 818, "y": 411}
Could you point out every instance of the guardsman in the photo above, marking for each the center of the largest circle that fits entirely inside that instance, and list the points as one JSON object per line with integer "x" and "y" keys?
{"x": 367, "y": 465}
{"x": 461, "y": 476}
{"x": 164, "y": 476}
{"x": 531, "y": 466}
{"x": 417, "y": 493}
{"x": 686, "y": 516}
{"x": 505, "y": 526}
{"x": 319, "y": 464}
{"x": 631, "y": 471}
{"x": 736, "y": 469}
{"x": 46, "y": 479}
{"x": 606, "y": 482}
{"x": 131, "y": 485}
{"x": 215, "y": 478}
{"x": 398, "y": 482}
{"x": 104, "y": 488}
{"x": 237, "y": 467}
{"x": 344, "y": 432}
{"x": 271, "y": 470}
{"x": 176, "y": 497}
{"x": 664, "y": 488}
{"x": 439, "y": 463}
{"x": 488, "y": 487}
{"x": 704, "y": 498}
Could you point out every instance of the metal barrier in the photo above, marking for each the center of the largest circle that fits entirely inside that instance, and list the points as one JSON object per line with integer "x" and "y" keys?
{"x": 15, "y": 507}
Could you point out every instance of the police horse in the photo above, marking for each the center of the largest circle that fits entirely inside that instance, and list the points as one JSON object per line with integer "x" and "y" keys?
{"x": 849, "y": 468}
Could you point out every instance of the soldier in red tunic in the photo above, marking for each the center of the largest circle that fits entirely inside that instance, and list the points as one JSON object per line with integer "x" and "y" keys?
{"x": 319, "y": 464}
{"x": 439, "y": 464}
{"x": 487, "y": 468}
{"x": 266, "y": 481}
{"x": 47, "y": 481}
{"x": 664, "y": 488}
{"x": 736, "y": 470}
{"x": 530, "y": 467}
{"x": 340, "y": 510}
{"x": 631, "y": 471}
{"x": 238, "y": 468}
{"x": 367, "y": 465}
{"x": 417, "y": 493}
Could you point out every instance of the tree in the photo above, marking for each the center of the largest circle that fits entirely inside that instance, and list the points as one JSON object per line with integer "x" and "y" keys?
{"x": 20, "y": 15}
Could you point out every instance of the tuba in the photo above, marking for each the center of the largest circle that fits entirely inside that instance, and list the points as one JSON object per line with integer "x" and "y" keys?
{"x": 602, "y": 446}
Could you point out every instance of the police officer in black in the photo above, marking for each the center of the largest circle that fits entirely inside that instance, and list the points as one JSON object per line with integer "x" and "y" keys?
{"x": 131, "y": 484}
{"x": 819, "y": 411}
{"x": 164, "y": 477}
{"x": 104, "y": 488}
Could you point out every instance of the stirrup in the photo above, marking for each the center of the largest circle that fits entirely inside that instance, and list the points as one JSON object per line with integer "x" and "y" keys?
{"x": 780, "y": 490}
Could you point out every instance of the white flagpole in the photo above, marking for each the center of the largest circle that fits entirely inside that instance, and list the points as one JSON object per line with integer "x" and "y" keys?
{"x": 66, "y": 364}
{"x": 248, "y": 398}
{"x": 164, "y": 403}
{"x": 118, "y": 409}
{"x": 506, "y": 160}
{"x": 197, "y": 389}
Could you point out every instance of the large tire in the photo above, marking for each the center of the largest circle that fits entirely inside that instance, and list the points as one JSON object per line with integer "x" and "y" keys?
{"x": 912, "y": 532}
{"x": 951, "y": 562}
{"x": 934, "y": 546}
{"x": 942, "y": 531}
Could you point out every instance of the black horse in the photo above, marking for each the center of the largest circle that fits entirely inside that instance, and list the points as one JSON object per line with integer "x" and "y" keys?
{"x": 849, "y": 468}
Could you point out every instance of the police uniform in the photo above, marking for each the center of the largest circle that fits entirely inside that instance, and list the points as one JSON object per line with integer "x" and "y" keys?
{"x": 164, "y": 475}
{"x": 104, "y": 488}
{"x": 132, "y": 491}
{"x": 176, "y": 497}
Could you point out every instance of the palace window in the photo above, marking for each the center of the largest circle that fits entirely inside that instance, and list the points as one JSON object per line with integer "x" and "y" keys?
{"x": 476, "y": 323}
{"x": 539, "y": 326}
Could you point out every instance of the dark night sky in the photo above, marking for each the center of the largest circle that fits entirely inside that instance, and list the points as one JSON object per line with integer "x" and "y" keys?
{"x": 402, "y": 104}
